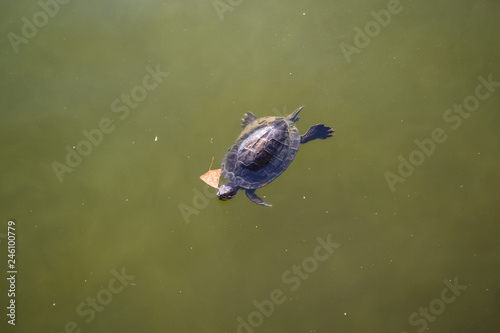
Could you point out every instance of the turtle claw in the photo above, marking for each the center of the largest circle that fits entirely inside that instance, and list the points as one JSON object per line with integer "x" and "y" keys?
{"x": 252, "y": 196}
{"x": 247, "y": 119}
{"x": 319, "y": 131}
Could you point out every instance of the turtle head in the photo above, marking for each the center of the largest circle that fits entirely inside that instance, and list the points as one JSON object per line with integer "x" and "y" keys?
{"x": 227, "y": 191}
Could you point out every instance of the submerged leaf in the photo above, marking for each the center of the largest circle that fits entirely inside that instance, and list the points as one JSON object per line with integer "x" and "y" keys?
{"x": 211, "y": 177}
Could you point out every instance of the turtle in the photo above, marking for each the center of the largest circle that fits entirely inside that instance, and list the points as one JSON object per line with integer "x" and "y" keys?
{"x": 262, "y": 152}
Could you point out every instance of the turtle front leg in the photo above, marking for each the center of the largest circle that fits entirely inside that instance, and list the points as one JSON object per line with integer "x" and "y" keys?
{"x": 319, "y": 131}
{"x": 252, "y": 196}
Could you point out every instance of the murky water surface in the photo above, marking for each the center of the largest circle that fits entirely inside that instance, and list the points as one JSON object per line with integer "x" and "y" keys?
{"x": 111, "y": 111}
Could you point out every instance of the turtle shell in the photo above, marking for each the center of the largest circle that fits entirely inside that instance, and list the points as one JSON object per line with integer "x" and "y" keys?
{"x": 264, "y": 149}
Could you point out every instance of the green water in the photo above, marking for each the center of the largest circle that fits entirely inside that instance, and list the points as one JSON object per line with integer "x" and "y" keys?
{"x": 112, "y": 110}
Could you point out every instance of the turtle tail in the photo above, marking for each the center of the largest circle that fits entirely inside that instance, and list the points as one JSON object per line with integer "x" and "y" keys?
{"x": 294, "y": 116}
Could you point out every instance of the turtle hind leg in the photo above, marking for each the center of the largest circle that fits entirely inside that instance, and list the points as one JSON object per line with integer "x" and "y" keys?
{"x": 247, "y": 119}
{"x": 252, "y": 196}
{"x": 319, "y": 131}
